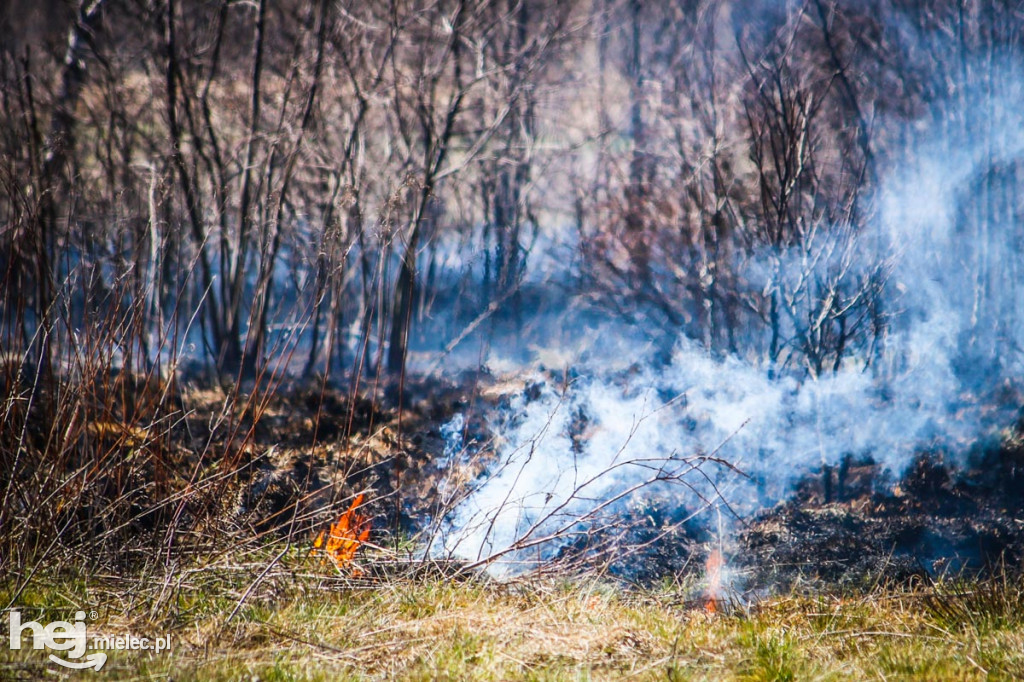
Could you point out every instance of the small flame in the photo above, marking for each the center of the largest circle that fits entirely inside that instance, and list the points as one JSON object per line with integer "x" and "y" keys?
{"x": 347, "y": 535}
{"x": 713, "y": 570}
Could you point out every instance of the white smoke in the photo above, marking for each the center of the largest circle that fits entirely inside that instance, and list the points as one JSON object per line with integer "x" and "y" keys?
{"x": 569, "y": 447}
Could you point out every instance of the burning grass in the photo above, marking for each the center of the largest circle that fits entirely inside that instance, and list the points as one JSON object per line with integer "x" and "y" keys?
{"x": 346, "y": 536}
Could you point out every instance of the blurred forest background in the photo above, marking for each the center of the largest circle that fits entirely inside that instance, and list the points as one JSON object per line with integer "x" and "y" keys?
{"x": 327, "y": 185}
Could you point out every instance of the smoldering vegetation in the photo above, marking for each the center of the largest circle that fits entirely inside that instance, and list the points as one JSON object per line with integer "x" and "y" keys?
{"x": 556, "y": 284}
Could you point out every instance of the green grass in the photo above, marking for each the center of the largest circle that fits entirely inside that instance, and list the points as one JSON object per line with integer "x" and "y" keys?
{"x": 297, "y": 624}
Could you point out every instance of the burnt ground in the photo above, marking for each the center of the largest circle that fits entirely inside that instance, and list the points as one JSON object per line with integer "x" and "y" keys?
{"x": 850, "y": 524}
{"x": 292, "y": 461}
{"x": 313, "y": 447}
{"x": 857, "y": 523}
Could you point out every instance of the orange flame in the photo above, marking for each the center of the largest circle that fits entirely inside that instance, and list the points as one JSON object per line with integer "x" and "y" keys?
{"x": 713, "y": 570}
{"x": 346, "y": 536}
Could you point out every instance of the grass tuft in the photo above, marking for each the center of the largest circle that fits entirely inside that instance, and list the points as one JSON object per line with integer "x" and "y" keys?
{"x": 304, "y": 624}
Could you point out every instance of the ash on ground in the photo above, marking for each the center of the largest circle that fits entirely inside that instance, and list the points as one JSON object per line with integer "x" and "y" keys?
{"x": 857, "y": 524}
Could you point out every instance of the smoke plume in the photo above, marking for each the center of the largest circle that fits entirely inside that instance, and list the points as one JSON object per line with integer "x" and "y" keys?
{"x": 597, "y": 433}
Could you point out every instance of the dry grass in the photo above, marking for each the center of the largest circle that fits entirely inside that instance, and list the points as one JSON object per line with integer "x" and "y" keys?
{"x": 302, "y": 625}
